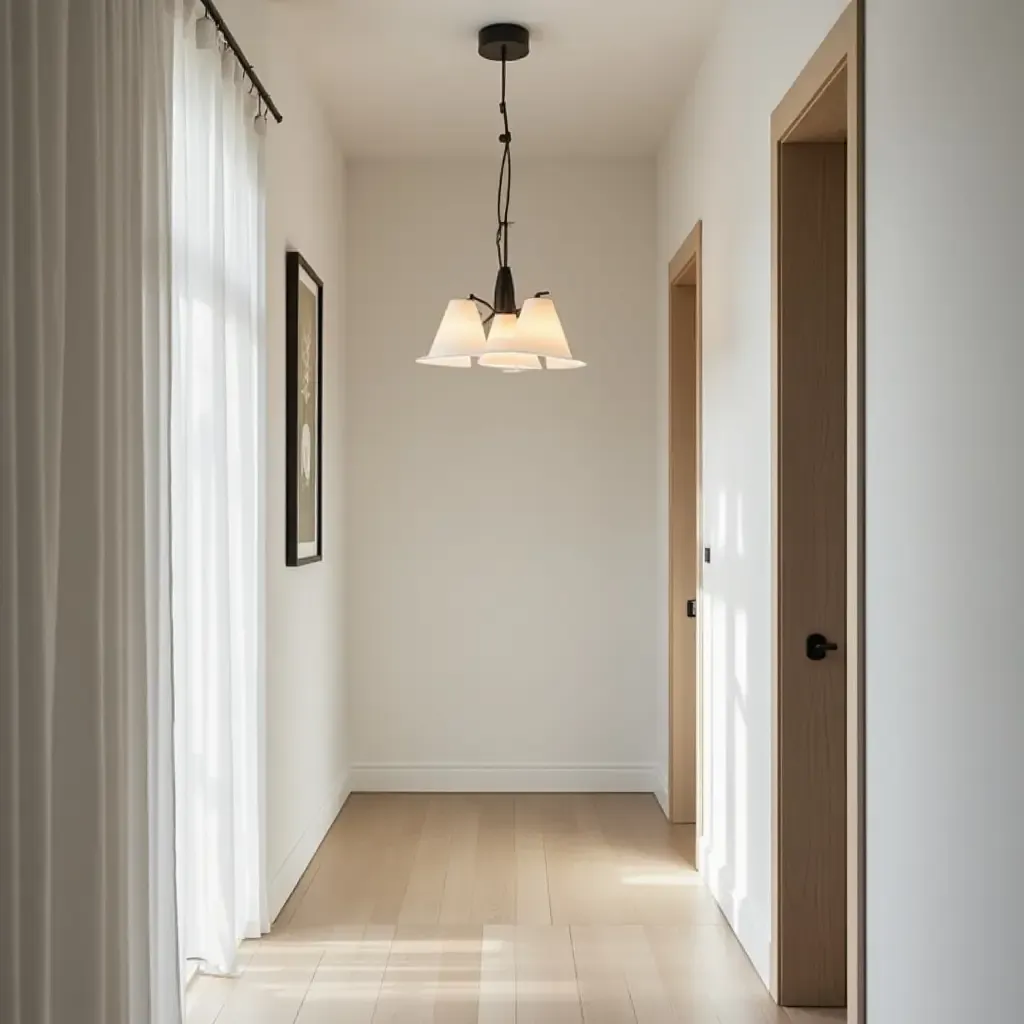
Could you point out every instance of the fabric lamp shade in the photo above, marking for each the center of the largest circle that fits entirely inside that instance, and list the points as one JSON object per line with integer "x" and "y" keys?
{"x": 460, "y": 337}
{"x": 502, "y": 351}
{"x": 538, "y": 333}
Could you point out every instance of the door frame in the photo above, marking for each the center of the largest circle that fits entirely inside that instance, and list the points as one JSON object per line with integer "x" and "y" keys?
{"x": 842, "y": 49}
{"x": 685, "y": 531}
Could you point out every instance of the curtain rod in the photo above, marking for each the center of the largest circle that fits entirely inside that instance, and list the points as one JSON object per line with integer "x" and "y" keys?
{"x": 218, "y": 20}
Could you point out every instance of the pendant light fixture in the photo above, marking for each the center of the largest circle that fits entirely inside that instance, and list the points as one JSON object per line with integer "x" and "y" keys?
{"x": 527, "y": 338}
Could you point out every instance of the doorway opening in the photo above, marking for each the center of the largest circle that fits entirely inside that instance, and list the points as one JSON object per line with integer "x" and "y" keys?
{"x": 817, "y": 522}
{"x": 685, "y": 555}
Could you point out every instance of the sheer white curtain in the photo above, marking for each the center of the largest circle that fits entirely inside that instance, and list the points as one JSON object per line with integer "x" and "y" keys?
{"x": 216, "y": 503}
{"x": 87, "y": 909}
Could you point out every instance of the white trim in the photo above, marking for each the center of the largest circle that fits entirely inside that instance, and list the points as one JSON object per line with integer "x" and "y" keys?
{"x": 503, "y": 778}
{"x": 288, "y": 875}
{"x": 661, "y": 794}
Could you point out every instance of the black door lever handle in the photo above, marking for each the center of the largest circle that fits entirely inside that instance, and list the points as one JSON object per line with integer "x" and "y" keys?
{"x": 818, "y": 645}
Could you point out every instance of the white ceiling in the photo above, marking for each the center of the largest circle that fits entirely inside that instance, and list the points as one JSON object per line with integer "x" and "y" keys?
{"x": 403, "y": 78}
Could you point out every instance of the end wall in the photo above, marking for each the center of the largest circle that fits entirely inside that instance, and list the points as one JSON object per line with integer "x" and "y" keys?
{"x": 715, "y": 166}
{"x": 306, "y": 704}
{"x": 501, "y": 533}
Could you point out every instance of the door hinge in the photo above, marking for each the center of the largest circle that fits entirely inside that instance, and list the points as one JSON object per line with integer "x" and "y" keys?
{"x": 691, "y": 608}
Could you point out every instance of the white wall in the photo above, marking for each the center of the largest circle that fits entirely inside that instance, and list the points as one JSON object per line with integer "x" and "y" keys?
{"x": 945, "y": 489}
{"x": 306, "y": 704}
{"x": 500, "y": 546}
{"x": 715, "y": 166}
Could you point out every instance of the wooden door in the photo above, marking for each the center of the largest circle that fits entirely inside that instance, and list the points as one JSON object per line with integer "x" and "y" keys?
{"x": 685, "y": 532}
{"x": 812, "y": 562}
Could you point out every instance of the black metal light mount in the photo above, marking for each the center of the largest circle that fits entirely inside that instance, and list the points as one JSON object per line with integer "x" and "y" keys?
{"x": 503, "y": 41}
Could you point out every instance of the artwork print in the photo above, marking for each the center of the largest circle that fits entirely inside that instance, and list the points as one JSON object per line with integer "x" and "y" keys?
{"x": 304, "y": 462}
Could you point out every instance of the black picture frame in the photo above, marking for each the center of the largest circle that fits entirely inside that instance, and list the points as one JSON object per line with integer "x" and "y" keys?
{"x": 298, "y": 552}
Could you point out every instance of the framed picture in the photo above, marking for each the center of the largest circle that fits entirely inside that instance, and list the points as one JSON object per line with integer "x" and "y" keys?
{"x": 304, "y": 346}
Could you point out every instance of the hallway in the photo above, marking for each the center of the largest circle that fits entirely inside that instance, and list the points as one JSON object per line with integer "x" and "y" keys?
{"x": 494, "y": 909}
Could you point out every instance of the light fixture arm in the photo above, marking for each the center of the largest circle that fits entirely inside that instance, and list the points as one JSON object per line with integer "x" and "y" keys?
{"x": 491, "y": 311}
{"x": 483, "y": 302}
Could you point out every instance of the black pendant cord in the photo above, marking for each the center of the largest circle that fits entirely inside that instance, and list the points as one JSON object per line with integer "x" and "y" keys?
{"x": 504, "y": 300}
{"x": 505, "y": 174}
{"x": 504, "y": 43}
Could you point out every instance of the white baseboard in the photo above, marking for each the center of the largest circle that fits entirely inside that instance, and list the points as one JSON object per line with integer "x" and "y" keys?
{"x": 287, "y": 876}
{"x": 661, "y": 794}
{"x": 502, "y": 778}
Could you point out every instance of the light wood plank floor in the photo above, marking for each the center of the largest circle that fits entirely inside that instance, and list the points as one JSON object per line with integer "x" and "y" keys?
{"x": 497, "y": 909}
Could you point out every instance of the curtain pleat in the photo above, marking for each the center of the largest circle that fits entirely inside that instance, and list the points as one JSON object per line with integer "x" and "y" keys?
{"x": 87, "y": 909}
